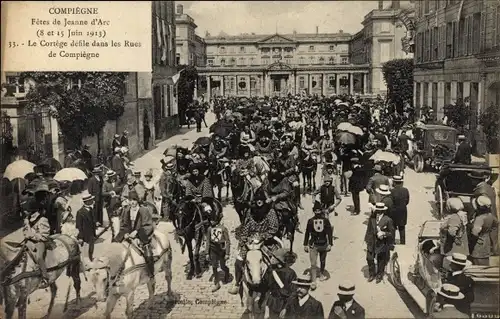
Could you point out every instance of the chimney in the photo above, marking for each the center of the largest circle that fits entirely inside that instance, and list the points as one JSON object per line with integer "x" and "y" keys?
{"x": 396, "y": 4}
{"x": 317, "y": 29}
{"x": 294, "y": 32}
{"x": 207, "y": 34}
{"x": 381, "y": 5}
{"x": 341, "y": 31}
{"x": 180, "y": 9}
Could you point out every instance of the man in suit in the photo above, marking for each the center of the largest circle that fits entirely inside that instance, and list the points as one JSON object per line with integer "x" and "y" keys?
{"x": 86, "y": 224}
{"x": 118, "y": 166}
{"x": 400, "y": 200}
{"x": 137, "y": 223}
{"x": 455, "y": 276}
{"x": 124, "y": 139}
{"x": 463, "y": 154}
{"x": 346, "y": 307}
{"x": 356, "y": 184}
{"x": 111, "y": 197}
{"x": 116, "y": 142}
{"x": 94, "y": 187}
{"x": 375, "y": 181}
{"x": 447, "y": 297}
{"x": 485, "y": 188}
{"x": 379, "y": 240}
{"x": 302, "y": 304}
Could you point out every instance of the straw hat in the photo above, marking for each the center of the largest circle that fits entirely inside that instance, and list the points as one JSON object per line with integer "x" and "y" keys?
{"x": 110, "y": 173}
{"x": 380, "y": 206}
{"x": 451, "y": 292}
{"x": 481, "y": 203}
{"x": 454, "y": 205}
{"x": 347, "y": 288}
{"x": 459, "y": 259}
{"x": 86, "y": 196}
{"x": 397, "y": 178}
{"x": 383, "y": 190}
{"x": 280, "y": 254}
{"x": 303, "y": 280}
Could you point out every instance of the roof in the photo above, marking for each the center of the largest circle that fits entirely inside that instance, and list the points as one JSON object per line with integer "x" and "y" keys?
{"x": 297, "y": 37}
{"x": 436, "y": 127}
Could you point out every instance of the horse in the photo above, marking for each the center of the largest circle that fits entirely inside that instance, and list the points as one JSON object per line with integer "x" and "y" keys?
{"x": 189, "y": 223}
{"x": 288, "y": 223}
{"x": 122, "y": 269}
{"x": 20, "y": 274}
{"x": 257, "y": 263}
{"x": 176, "y": 191}
{"x": 308, "y": 167}
{"x": 220, "y": 171}
{"x": 242, "y": 192}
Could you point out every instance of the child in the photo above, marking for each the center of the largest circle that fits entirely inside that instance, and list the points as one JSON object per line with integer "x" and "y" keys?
{"x": 328, "y": 192}
{"x": 218, "y": 248}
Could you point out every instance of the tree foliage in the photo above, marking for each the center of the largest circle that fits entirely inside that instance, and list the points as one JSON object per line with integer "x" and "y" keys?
{"x": 398, "y": 75}
{"x": 81, "y": 110}
{"x": 458, "y": 114}
{"x": 186, "y": 86}
{"x": 7, "y": 148}
{"x": 490, "y": 122}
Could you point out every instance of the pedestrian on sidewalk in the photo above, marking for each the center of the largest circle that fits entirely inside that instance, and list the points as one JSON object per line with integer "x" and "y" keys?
{"x": 302, "y": 304}
{"x": 400, "y": 200}
{"x": 346, "y": 307}
{"x": 86, "y": 224}
{"x": 124, "y": 139}
{"x": 356, "y": 184}
{"x": 94, "y": 186}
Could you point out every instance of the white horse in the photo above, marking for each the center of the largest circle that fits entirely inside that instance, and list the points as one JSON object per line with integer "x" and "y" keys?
{"x": 124, "y": 269}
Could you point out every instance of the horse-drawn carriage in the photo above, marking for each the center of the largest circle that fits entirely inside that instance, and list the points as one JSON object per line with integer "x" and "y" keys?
{"x": 456, "y": 180}
{"x": 419, "y": 275}
{"x": 432, "y": 146}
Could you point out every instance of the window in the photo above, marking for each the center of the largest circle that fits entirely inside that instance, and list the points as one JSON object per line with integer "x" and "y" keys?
{"x": 210, "y": 62}
{"x": 435, "y": 45}
{"x": 252, "y": 61}
{"x": 470, "y": 33}
{"x": 265, "y": 61}
{"x": 332, "y": 48}
{"x": 232, "y": 61}
{"x": 14, "y": 85}
{"x": 72, "y": 84}
{"x": 242, "y": 84}
{"x": 476, "y": 32}
{"x": 241, "y": 61}
{"x": 311, "y": 60}
{"x": 311, "y": 48}
{"x": 455, "y": 39}
{"x": 301, "y": 82}
{"x": 321, "y": 60}
{"x": 344, "y": 60}
{"x": 288, "y": 60}
{"x": 222, "y": 50}
{"x": 302, "y": 60}
{"x": 496, "y": 34}
{"x": 231, "y": 50}
{"x": 223, "y": 62}
{"x": 332, "y": 81}
{"x": 385, "y": 27}
{"x": 314, "y": 82}
{"x": 232, "y": 82}
{"x": 253, "y": 83}
{"x": 331, "y": 60}
{"x": 242, "y": 49}
{"x": 461, "y": 36}
{"x": 449, "y": 40}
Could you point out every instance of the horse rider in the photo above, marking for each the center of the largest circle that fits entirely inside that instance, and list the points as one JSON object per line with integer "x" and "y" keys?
{"x": 133, "y": 185}
{"x": 318, "y": 240}
{"x": 59, "y": 205}
{"x": 326, "y": 147}
{"x": 261, "y": 221}
{"x": 218, "y": 147}
{"x": 287, "y": 164}
{"x": 264, "y": 144}
{"x": 118, "y": 165}
{"x": 36, "y": 233}
{"x": 197, "y": 184}
{"x": 247, "y": 167}
{"x": 218, "y": 249}
{"x": 329, "y": 195}
{"x": 167, "y": 180}
{"x": 137, "y": 223}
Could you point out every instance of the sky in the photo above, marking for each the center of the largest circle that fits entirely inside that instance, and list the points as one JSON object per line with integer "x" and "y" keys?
{"x": 264, "y": 17}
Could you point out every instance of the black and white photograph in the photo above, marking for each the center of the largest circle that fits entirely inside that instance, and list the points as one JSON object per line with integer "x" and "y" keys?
{"x": 281, "y": 159}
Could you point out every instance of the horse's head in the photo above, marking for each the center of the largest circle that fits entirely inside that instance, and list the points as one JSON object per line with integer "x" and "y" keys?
{"x": 256, "y": 263}
{"x": 98, "y": 274}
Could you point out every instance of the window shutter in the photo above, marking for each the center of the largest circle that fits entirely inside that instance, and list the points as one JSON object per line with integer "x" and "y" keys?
{"x": 494, "y": 28}
{"x": 456, "y": 40}
{"x": 469, "y": 35}
{"x": 465, "y": 44}
{"x": 482, "y": 35}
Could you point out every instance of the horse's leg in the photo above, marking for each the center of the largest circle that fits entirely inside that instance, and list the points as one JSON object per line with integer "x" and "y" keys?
{"x": 197, "y": 268}
{"x": 53, "y": 293}
{"x": 151, "y": 291}
{"x": 314, "y": 173}
{"x": 130, "y": 302}
{"x": 110, "y": 305}
{"x": 189, "y": 246}
{"x": 22, "y": 304}
{"x": 304, "y": 182}
{"x": 9, "y": 301}
{"x": 77, "y": 282}
{"x": 167, "y": 268}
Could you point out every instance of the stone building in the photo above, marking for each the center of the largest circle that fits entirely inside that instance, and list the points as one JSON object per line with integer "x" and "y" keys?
{"x": 190, "y": 46}
{"x": 457, "y": 55}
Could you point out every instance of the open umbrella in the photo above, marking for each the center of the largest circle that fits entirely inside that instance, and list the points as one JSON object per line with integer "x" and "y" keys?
{"x": 51, "y": 165}
{"x": 70, "y": 174}
{"x": 381, "y": 156}
{"x": 222, "y": 131}
{"x": 346, "y": 138}
{"x": 204, "y": 140}
{"x": 344, "y": 126}
{"x": 18, "y": 169}
{"x": 355, "y": 130}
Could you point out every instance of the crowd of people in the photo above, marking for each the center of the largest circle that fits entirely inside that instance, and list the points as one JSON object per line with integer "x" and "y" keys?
{"x": 266, "y": 144}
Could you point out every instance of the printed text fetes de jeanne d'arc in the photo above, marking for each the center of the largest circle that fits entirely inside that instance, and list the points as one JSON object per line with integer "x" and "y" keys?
{"x": 73, "y": 32}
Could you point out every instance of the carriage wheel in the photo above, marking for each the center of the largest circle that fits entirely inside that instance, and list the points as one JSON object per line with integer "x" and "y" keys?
{"x": 395, "y": 272}
{"x": 418, "y": 163}
{"x": 439, "y": 197}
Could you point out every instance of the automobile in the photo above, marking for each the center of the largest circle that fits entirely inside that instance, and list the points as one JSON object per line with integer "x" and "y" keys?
{"x": 459, "y": 180}
{"x": 432, "y": 145}
{"x": 417, "y": 274}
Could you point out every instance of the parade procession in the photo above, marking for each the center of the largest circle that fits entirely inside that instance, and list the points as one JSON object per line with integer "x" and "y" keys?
{"x": 276, "y": 175}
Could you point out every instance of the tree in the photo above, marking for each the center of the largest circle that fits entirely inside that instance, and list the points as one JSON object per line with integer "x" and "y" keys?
{"x": 81, "y": 110}
{"x": 7, "y": 148}
{"x": 490, "y": 121}
{"x": 398, "y": 75}
{"x": 458, "y": 114}
{"x": 185, "y": 89}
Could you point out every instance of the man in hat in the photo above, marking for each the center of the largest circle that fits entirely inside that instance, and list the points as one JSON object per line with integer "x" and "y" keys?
{"x": 303, "y": 305}
{"x": 346, "y": 307}
{"x": 246, "y": 166}
{"x": 116, "y": 143}
{"x": 400, "y": 200}
{"x": 375, "y": 181}
{"x": 94, "y": 187}
{"x": 379, "y": 240}
{"x": 36, "y": 232}
{"x": 59, "y": 204}
{"x": 149, "y": 187}
{"x": 356, "y": 184}
{"x": 463, "y": 155}
{"x": 86, "y": 224}
{"x": 327, "y": 146}
{"x": 167, "y": 183}
{"x": 383, "y": 195}
{"x": 118, "y": 166}
{"x": 329, "y": 195}
{"x": 447, "y": 298}
{"x": 262, "y": 221}
{"x": 111, "y": 198}
{"x": 137, "y": 223}
{"x": 485, "y": 188}
{"x": 318, "y": 240}
{"x": 197, "y": 184}
{"x": 133, "y": 185}
{"x": 455, "y": 276}
{"x": 483, "y": 240}
{"x": 218, "y": 249}
{"x": 279, "y": 279}
{"x": 124, "y": 139}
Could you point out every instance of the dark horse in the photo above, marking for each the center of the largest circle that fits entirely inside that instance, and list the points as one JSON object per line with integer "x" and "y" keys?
{"x": 288, "y": 223}
{"x": 242, "y": 192}
{"x": 220, "y": 171}
{"x": 308, "y": 167}
{"x": 190, "y": 224}
{"x": 176, "y": 191}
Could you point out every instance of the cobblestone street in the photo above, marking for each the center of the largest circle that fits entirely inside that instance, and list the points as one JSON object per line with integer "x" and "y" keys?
{"x": 194, "y": 299}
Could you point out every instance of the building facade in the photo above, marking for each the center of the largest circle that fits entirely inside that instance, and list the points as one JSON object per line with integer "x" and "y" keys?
{"x": 457, "y": 54}
{"x": 190, "y": 46}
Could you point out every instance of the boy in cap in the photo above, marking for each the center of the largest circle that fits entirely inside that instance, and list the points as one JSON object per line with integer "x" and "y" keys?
{"x": 303, "y": 305}
{"x": 346, "y": 307}
{"x": 329, "y": 195}
{"x": 218, "y": 249}
{"x": 318, "y": 240}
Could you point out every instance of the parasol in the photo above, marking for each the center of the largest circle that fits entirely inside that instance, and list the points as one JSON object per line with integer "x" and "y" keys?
{"x": 18, "y": 169}
{"x": 346, "y": 138}
{"x": 381, "y": 156}
{"x": 222, "y": 131}
{"x": 51, "y": 165}
{"x": 355, "y": 130}
{"x": 344, "y": 126}
{"x": 343, "y": 104}
{"x": 204, "y": 140}
{"x": 70, "y": 174}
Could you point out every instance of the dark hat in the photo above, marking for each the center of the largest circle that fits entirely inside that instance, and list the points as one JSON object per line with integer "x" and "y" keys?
{"x": 53, "y": 185}
{"x": 137, "y": 174}
{"x": 354, "y": 160}
{"x": 194, "y": 166}
{"x": 260, "y": 195}
{"x": 42, "y": 187}
{"x": 280, "y": 254}
{"x": 317, "y": 207}
{"x": 133, "y": 196}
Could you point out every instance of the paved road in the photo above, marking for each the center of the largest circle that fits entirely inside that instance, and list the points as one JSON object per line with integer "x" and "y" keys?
{"x": 194, "y": 298}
